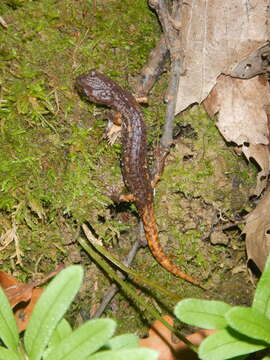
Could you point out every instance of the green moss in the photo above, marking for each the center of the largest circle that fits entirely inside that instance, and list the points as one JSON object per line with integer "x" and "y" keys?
{"x": 197, "y": 184}
{"x": 56, "y": 168}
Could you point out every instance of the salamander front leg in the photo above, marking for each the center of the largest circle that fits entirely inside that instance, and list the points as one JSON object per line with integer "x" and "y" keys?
{"x": 121, "y": 197}
{"x": 114, "y": 127}
{"x": 115, "y": 121}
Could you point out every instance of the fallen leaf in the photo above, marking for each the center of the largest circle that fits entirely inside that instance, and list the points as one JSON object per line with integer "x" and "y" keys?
{"x": 212, "y": 47}
{"x": 254, "y": 64}
{"x": 15, "y": 290}
{"x": 242, "y": 107}
{"x": 23, "y": 311}
{"x": 161, "y": 339}
{"x": 19, "y": 292}
{"x": 257, "y": 230}
{"x": 260, "y": 153}
{"x": 22, "y": 297}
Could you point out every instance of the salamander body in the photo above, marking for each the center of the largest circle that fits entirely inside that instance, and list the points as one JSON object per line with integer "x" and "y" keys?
{"x": 100, "y": 89}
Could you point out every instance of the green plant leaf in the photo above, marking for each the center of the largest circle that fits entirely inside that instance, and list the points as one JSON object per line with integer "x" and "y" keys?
{"x": 227, "y": 344}
{"x": 249, "y": 322}
{"x": 8, "y": 327}
{"x": 8, "y": 354}
{"x": 202, "y": 313}
{"x": 130, "y": 354}
{"x": 63, "y": 329}
{"x": 123, "y": 341}
{"x": 261, "y": 301}
{"x": 85, "y": 340}
{"x": 267, "y": 357}
{"x": 50, "y": 308}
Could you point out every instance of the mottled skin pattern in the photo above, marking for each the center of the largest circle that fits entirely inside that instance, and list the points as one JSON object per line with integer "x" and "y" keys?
{"x": 102, "y": 90}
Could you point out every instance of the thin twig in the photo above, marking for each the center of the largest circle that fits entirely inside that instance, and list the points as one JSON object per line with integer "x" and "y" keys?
{"x": 168, "y": 18}
{"x": 167, "y": 136}
{"x": 152, "y": 69}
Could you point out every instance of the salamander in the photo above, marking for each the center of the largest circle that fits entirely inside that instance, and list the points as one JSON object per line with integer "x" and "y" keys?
{"x": 100, "y": 89}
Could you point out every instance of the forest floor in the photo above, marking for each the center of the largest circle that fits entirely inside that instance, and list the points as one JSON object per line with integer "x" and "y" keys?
{"x": 56, "y": 167}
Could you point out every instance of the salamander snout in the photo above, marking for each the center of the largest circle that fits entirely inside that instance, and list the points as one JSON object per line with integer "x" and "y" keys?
{"x": 96, "y": 86}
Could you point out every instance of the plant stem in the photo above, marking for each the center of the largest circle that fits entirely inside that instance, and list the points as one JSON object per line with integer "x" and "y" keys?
{"x": 126, "y": 269}
{"x": 129, "y": 291}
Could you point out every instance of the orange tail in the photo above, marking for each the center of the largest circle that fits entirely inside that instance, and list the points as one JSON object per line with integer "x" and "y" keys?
{"x": 151, "y": 234}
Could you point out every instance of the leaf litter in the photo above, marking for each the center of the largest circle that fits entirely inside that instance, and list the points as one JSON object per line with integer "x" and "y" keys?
{"x": 23, "y": 296}
{"x": 221, "y": 59}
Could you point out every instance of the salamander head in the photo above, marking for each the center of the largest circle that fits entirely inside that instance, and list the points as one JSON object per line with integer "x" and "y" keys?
{"x": 96, "y": 86}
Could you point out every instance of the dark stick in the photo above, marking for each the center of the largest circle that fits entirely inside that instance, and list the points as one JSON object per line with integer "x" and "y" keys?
{"x": 169, "y": 20}
{"x": 170, "y": 41}
{"x": 167, "y": 136}
{"x": 153, "y": 68}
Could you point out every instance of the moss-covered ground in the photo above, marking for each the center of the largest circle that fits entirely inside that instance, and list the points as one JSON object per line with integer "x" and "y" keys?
{"x": 56, "y": 167}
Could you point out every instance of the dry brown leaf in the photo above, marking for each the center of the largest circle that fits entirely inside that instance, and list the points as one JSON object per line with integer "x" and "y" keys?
{"x": 243, "y": 118}
{"x": 22, "y": 297}
{"x": 23, "y": 311}
{"x": 19, "y": 292}
{"x": 254, "y": 64}
{"x": 160, "y": 339}
{"x": 242, "y": 109}
{"x": 216, "y": 36}
{"x": 260, "y": 153}
{"x": 15, "y": 290}
{"x": 257, "y": 232}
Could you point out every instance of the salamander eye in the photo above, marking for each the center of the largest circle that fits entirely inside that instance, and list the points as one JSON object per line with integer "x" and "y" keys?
{"x": 92, "y": 73}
